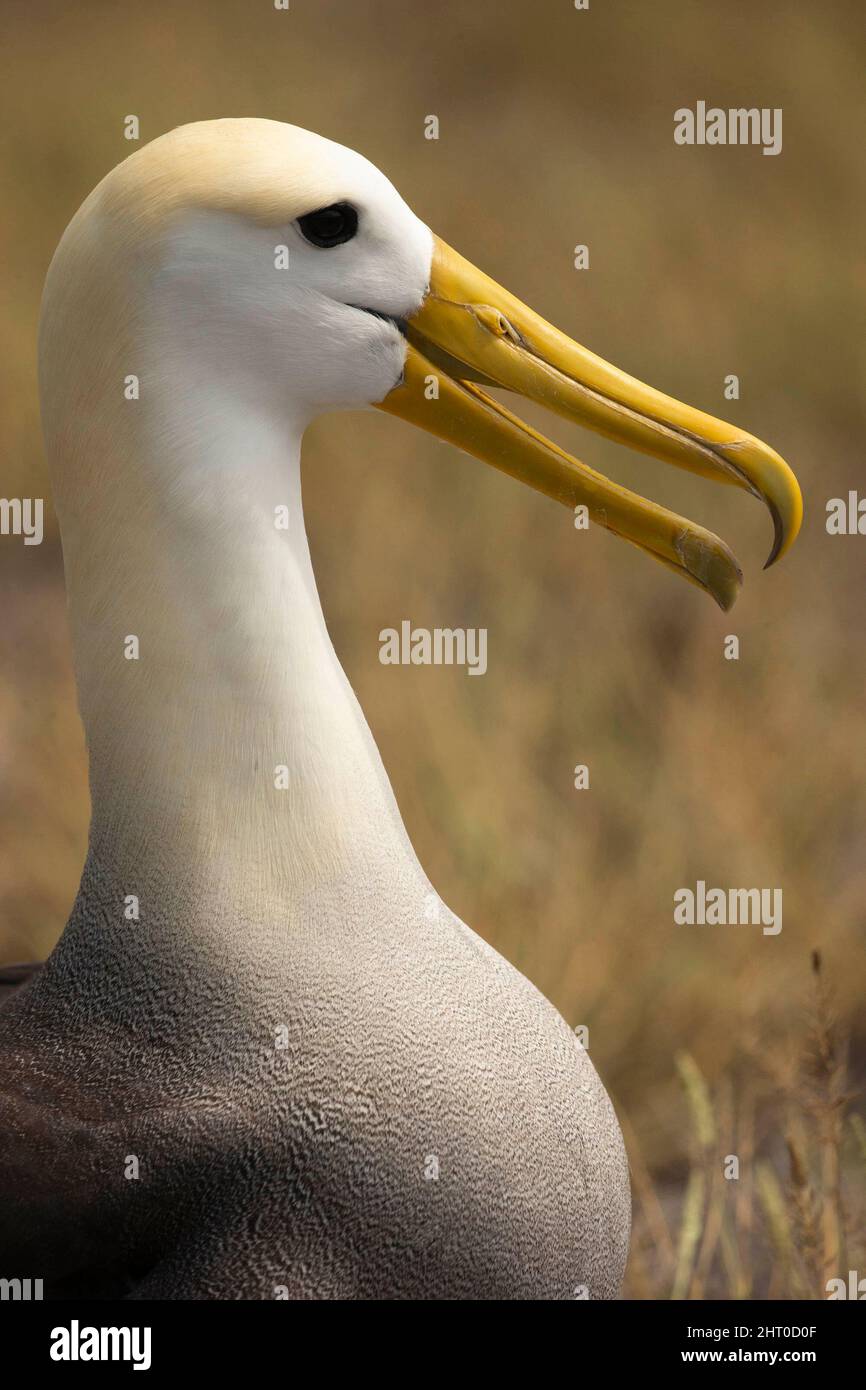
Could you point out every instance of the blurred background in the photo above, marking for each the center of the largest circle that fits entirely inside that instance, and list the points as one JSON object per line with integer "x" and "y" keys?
{"x": 555, "y": 129}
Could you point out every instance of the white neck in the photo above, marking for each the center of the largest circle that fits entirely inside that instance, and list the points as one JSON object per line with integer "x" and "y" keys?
{"x": 236, "y": 675}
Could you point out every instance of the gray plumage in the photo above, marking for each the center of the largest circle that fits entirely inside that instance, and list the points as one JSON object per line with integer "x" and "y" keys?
{"x": 306, "y": 1165}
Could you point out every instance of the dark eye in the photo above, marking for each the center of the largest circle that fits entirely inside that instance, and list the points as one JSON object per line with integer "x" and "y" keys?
{"x": 330, "y": 226}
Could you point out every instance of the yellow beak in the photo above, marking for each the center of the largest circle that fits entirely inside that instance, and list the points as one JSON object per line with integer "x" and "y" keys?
{"x": 469, "y": 330}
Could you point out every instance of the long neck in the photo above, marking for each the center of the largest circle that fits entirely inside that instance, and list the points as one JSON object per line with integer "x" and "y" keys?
{"x": 226, "y": 745}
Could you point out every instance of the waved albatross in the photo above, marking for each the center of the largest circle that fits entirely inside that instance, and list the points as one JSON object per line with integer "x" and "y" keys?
{"x": 289, "y": 1075}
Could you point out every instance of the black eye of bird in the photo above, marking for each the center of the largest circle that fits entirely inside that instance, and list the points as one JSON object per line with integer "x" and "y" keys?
{"x": 330, "y": 226}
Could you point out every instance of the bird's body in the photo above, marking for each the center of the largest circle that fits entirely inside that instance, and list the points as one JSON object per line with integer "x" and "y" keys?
{"x": 264, "y": 1058}
{"x": 376, "y": 1106}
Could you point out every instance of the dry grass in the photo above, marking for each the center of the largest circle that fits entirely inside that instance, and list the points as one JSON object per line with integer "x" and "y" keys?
{"x": 773, "y": 1204}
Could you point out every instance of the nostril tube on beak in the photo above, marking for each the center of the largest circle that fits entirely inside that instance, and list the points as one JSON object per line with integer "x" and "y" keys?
{"x": 495, "y": 322}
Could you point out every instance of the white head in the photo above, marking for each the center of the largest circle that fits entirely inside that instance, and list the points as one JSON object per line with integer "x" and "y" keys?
{"x": 286, "y": 289}
{"x": 245, "y": 256}
{"x": 245, "y": 268}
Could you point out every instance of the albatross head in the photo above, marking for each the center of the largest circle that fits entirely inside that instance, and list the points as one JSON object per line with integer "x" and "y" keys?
{"x": 275, "y": 274}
